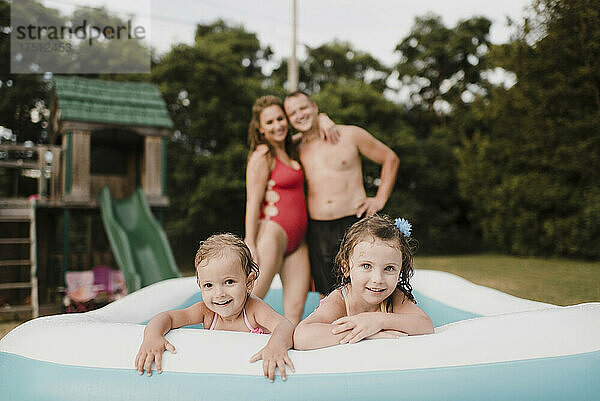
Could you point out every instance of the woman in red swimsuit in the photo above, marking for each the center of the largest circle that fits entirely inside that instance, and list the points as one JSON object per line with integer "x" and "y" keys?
{"x": 275, "y": 207}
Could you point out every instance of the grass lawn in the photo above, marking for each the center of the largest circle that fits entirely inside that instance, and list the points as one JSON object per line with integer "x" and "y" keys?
{"x": 555, "y": 281}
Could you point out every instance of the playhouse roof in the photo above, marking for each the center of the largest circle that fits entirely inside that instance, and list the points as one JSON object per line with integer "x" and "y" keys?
{"x": 111, "y": 102}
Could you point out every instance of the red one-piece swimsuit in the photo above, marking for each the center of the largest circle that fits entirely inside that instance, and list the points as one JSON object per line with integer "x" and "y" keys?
{"x": 285, "y": 203}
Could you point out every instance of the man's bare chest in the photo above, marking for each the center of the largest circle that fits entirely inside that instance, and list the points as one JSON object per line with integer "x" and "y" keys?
{"x": 326, "y": 158}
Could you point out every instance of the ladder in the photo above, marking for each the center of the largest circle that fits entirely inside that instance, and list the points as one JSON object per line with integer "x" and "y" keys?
{"x": 21, "y": 212}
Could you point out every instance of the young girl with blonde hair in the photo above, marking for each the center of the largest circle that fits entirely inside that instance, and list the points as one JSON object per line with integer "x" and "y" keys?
{"x": 225, "y": 274}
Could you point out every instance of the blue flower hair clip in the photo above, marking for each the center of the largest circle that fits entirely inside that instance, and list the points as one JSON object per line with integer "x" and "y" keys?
{"x": 403, "y": 226}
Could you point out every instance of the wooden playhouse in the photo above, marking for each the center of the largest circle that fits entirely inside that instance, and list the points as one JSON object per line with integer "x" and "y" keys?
{"x": 102, "y": 134}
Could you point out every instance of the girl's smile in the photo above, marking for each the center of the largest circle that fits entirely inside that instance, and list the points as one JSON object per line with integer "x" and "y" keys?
{"x": 222, "y": 303}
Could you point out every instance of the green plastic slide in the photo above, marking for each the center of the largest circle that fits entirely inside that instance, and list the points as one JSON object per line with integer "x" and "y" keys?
{"x": 138, "y": 242}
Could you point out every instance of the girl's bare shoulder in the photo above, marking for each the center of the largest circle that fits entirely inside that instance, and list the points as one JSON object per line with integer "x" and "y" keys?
{"x": 260, "y": 313}
{"x": 257, "y": 306}
{"x": 335, "y": 297}
{"x": 331, "y": 308}
{"x": 194, "y": 314}
{"x": 255, "y": 302}
{"x": 402, "y": 303}
{"x": 198, "y": 307}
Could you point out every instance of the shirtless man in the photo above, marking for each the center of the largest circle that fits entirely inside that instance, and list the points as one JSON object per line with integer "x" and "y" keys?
{"x": 336, "y": 195}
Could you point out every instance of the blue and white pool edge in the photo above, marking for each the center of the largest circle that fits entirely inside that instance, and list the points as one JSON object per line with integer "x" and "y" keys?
{"x": 527, "y": 351}
{"x": 536, "y": 379}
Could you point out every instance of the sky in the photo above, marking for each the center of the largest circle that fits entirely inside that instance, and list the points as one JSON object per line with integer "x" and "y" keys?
{"x": 373, "y": 26}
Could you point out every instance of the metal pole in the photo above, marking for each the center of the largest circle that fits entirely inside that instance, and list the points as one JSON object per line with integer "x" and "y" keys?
{"x": 293, "y": 64}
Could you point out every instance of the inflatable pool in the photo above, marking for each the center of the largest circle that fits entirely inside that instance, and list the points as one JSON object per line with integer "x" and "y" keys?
{"x": 487, "y": 345}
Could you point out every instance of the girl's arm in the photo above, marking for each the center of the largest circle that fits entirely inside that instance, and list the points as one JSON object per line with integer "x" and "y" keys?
{"x": 257, "y": 175}
{"x": 155, "y": 343}
{"x": 275, "y": 353}
{"x": 407, "y": 318}
{"x": 316, "y": 331}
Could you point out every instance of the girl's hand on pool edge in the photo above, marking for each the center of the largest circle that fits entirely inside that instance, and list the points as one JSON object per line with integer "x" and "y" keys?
{"x": 273, "y": 357}
{"x": 151, "y": 351}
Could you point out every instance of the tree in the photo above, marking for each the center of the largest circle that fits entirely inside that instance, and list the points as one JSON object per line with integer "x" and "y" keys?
{"x": 335, "y": 62}
{"x": 117, "y": 55}
{"x": 532, "y": 175}
{"x": 21, "y": 93}
{"x": 243, "y": 44}
{"x": 442, "y": 66}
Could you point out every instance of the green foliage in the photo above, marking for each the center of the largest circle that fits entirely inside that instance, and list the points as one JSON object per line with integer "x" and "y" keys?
{"x": 442, "y": 68}
{"x": 19, "y": 93}
{"x": 335, "y": 62}
{"x": 440, "y": 63}
{"x": 532, "y": 175}
{"x": 243, "y": 44}
{"x": 358, "y": 103}
{"x": 111, "y": 55}
{"x": 209, "y": 89}
{"x": 518, "y": 168}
